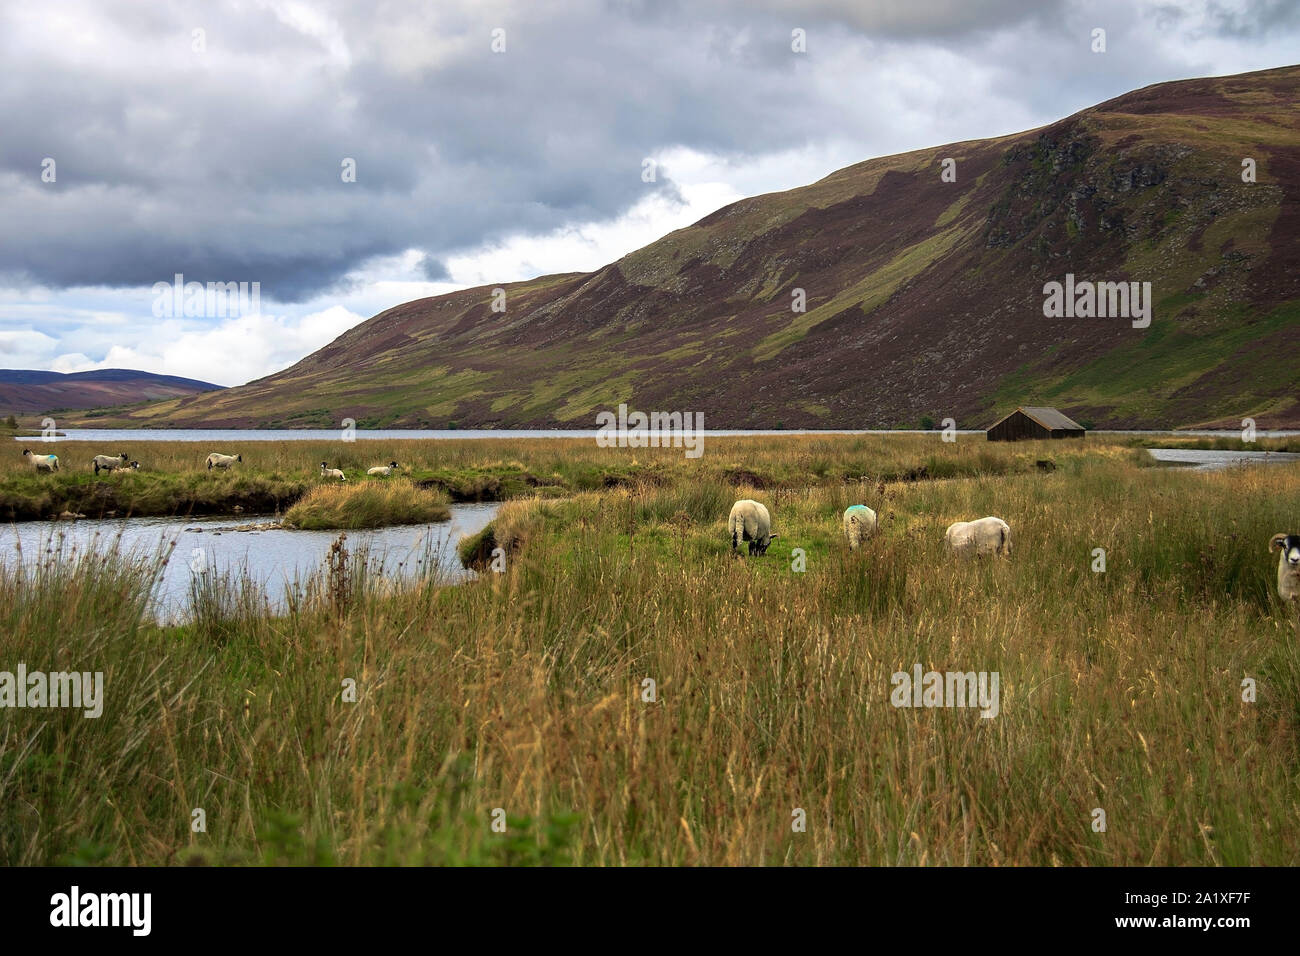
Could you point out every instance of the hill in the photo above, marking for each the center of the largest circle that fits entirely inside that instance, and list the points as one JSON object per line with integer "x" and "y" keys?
{"x": 27, "y": 392}
{"x": 924, "y": 298}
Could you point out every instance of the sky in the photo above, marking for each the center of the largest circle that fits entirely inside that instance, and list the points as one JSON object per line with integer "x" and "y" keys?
{"x": 350, "y": 156}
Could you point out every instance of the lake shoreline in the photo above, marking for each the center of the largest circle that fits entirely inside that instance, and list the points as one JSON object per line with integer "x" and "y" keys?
{"x": 472, "y": 434}
{"x": 268, "y": 555}
{"x": 271, "y": 478}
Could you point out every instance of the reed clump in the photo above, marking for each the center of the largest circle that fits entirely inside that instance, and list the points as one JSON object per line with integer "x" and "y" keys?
{"x": 372, "y": 504}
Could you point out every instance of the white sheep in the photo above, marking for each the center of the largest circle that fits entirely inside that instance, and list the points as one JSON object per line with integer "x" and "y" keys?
{"x": 382, "y": 471}
{"x": 109, "y": 463}
{"x": 47, "y": 463}
{"x": 986, "y": 536}
{"x": 328, "y": 472}
{"x": 1288, "y": 565}
{"x": 750, "y": 521}
{"x": 859, "y": 524}
{"x": 222, "y": 461}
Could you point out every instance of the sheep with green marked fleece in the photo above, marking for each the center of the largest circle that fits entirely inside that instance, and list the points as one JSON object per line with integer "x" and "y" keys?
{"x": 859, "y": 524}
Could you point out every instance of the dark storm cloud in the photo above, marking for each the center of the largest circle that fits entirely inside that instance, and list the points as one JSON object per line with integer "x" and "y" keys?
{"x": 435, "y": 270}
{"x": 1235, "y": 20}
{"x": 224, "y": 165}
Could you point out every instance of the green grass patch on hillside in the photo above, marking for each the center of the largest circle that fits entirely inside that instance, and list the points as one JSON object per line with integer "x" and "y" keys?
{"x": 1134, "y": 379}
{"x": 869, "y": 292}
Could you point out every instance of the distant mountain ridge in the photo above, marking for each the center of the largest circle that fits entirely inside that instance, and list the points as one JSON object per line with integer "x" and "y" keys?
{"x": 924, "y": 297}
{"x": 28, "y": 391}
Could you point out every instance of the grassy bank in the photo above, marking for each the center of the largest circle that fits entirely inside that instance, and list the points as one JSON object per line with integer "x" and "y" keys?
{"x": 1219, "y": 443}
{"x": 173, "y": 480}
{"x": 525, "y": 690}
{"x": 372, "y": 505}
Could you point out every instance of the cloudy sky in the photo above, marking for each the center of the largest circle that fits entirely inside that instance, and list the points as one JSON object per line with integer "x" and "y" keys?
{"x": 493, "y": 140}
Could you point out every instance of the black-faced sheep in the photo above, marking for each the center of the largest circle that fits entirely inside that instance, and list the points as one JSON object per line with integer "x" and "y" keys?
{"x": 382, "y": 471}
{"x": 109, "y": 463}
{"x": 332, "y": 473}
{"x": 1288, "y": 565}
{"x": 46, "y": 463}
{"x": 216, "y": 460}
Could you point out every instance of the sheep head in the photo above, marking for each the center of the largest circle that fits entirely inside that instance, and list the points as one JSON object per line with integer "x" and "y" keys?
{"x": 1289, "y": 545}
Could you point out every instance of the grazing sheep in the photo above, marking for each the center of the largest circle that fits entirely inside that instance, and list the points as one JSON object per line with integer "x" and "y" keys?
{"x": 134, "y": 466}
{"x": 985, "y": 536}
{"x": 328, "y": 472}
{"x": 108, "y": 462}
{"x": 1288, "y": 565}
{"x": 859, "y": 524}
{"x": 382, "y": 471}
{"x": 750, "y": 521}
{"x": 47, "y": 463}
{"x": 222, "y": 461}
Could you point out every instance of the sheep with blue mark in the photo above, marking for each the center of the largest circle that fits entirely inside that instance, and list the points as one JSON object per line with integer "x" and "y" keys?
{"x": 859, "y": 524}
{"x": 42, "y": 463}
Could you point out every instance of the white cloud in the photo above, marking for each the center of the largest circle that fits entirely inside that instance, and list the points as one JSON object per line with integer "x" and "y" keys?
{"x": 26, "y": 348}
{"x": 230, "y": 353}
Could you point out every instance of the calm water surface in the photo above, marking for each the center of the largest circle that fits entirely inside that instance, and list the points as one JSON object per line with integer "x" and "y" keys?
{"x": 1210, "y": 460}
{"x": 273, "y": 559}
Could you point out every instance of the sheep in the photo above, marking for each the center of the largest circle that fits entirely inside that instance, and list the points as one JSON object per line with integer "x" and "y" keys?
{"x": 859, "y": 524}
{"x": 1288, "y": 565}
{"x": 382, "y": 471}
{"x": 222, "y": 461}
{"x": 986, "y": 536}
{"x": 109, "y": 463}
{"x": 750, "y": 521}
{"x": 328, "y": 472}
{"x": 47, "y": 463}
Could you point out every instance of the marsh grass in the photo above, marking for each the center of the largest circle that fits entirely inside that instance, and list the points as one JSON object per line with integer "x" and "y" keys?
{"x": 172, "y": 479}
{"x": 224, "y": 604}
{"x": 1218, "y": 443}
{"x": 366, "y": 505}
{"x": 523, "y": 690}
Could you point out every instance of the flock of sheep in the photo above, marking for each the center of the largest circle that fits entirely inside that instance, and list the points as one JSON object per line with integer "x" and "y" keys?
{"x": 750, "y": 521}
{"x": 336, "y": 474}
{"x": 49, "y": 464}
{"x": 216, "y": 460}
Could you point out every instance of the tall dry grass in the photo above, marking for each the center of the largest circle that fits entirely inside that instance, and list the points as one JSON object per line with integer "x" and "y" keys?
{"x": 524, "y": 691}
